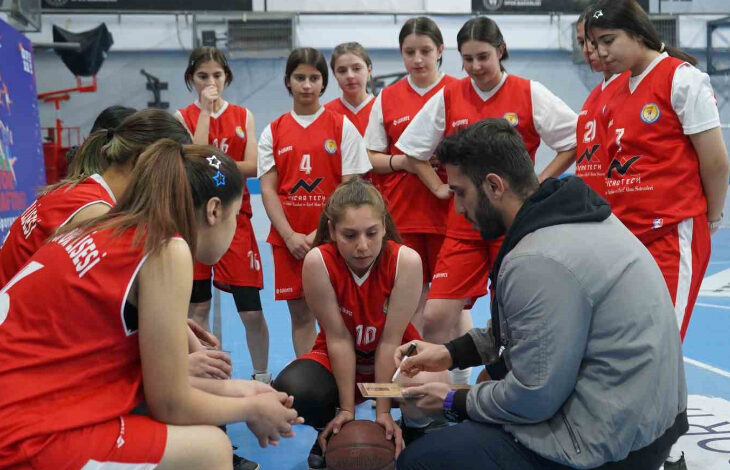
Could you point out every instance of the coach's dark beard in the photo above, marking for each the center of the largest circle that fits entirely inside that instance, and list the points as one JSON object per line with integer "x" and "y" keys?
{"x": 488, "y": 218}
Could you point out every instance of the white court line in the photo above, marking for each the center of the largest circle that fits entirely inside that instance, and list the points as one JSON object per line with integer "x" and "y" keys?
{"x": 708, "y": 367}
{"x": 723, "y": 307}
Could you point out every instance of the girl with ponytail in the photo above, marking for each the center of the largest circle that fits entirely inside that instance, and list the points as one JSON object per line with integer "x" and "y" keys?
{"x": 667, "y": 165}
{"x": 119, "y": 336}
{"x": 363, "y": 287}
{"x": 113, "y": 153}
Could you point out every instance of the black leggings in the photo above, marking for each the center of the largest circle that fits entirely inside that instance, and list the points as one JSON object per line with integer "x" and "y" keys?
{"x": 314, "y": 390}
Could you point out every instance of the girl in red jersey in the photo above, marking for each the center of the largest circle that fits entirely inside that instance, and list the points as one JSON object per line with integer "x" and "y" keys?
{"x": 303, "y": 156}
{"x": 463, "y": 264}
{"x": 363, "y": 286}
{"x": 663, "y": 133}
{"x": 591, "y": 160}
{"x": 86, "y": 194}
{"x": 231, "y": 128}
{"x": 352, "y": 68}
{"x": 419, "y": 215}
{"x": 70, "y": 381}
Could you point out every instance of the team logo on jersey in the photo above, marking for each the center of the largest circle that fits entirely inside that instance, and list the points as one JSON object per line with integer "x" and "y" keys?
{"x": 240, "y": 132}
{"x": 330, "y": 146}
{"x": 512, "y": 118}
{"x": 308, "y": 186}
{"x": 650, "y": 113}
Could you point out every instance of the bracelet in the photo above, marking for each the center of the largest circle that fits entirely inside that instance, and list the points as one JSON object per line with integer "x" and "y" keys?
{"x": 390, "y": 163}
{"x": 715, "y": 224}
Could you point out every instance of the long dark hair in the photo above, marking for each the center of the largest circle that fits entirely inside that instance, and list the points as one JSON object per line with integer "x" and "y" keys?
{"x": 306, "y": 56}
{"x": 204, "y": 54}
{"x": 423, "y": 26}
{"x": 354, "y": 193}
{"x": 483, "y": 29}
{"x": 123, "y": 144}
{"x": 628, "y": 16}
{"x": 170, "y": 183}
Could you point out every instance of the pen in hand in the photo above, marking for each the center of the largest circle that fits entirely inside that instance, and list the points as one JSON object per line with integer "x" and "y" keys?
{"x": 410, "y": 350}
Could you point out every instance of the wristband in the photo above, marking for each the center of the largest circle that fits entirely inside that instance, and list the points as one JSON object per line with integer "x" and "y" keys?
{"x": 715, "y": 224}
{"x": 390, "y": 163}
{"x": 449, "y": 400}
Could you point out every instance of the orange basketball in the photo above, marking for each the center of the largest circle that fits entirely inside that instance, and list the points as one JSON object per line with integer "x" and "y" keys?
{"x": 360, "y": 445}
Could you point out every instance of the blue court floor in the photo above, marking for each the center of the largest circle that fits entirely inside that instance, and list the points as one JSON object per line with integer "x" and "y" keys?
{"x": 707, "y": 361}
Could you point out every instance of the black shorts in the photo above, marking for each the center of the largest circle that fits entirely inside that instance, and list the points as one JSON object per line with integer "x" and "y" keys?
{"x": 247, "y": 299}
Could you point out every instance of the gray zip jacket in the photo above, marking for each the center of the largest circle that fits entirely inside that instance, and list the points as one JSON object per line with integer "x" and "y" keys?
{"x": 591, "y": 344}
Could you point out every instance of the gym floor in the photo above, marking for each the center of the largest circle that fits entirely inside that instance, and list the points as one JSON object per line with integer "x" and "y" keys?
{"x": 707, "y": 362}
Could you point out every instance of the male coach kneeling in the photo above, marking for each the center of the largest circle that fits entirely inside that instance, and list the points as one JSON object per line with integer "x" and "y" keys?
{"x": 587, "y": 347}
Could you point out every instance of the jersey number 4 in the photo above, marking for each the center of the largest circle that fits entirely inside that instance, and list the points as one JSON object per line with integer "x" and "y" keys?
{"x": 306, "y": 164}
{"x": 29, "y": 269}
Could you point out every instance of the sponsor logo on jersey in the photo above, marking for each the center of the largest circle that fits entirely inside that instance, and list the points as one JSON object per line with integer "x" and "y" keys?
{"x": 330, "y": 146}
{"x": 401, "y": 119}
{"x": 650, "y": 113}
{"x": 306, "y": 185}
{"x": 512, "y": 118}
{"x": 459, "y": 123}
{"x": 621, "y": 168}
{"x": 285, "y": 290}
{"x": 587, "y": 154}
{"x": 240, "y": 132}
{"x": 440, "y": 275}
{"x": 284, "y": 150}
{"x": 346, "y": 311}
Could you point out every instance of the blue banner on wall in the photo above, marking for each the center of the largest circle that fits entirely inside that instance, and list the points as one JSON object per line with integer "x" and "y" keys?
{"x": 22, "y": 170}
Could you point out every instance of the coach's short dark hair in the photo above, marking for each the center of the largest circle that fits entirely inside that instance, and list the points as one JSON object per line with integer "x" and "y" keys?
{"x": 491, "y": 146}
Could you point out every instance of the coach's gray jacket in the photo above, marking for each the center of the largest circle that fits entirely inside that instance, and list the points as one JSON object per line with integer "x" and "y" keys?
{"x": 591, "y": 344}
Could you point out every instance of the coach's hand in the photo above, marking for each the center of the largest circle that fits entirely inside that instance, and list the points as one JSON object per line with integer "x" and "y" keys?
{"x": 297, "y": 245}
{"x": 210, "y": 364}
{"x": 427, "y": 357}
{"x": 272, "y": 417}
{"x": 429, "y": 397}
{"x": 334, "y": 426}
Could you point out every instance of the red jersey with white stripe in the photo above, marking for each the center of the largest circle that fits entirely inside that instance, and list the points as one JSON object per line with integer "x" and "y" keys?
{"x": 227, "y": 132}
{"x": 309, "y": 163}
{"x": 41, "y": 219}
{"x": 363, "y": 301}
{"x": 70, "y": 349}
{"x": 464, "y": 107}
{"x": 653, "y": 177}
{"x": 591, "y": 159}
{"x": 412, "y": 205}
{"x": 359, "y": 117}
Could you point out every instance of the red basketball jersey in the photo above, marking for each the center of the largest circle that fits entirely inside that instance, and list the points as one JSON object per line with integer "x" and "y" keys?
{"x": 41, "y": 219}
{"x": 309, "y": 163}
{"x": 359, "y": 119}
{"x": 227, "y": 131}
{"x": 591, "y": 160}
{"x": 363, "y": 303}
{"x": 70, "y": 354}
{"x": 653, "y": 176}
{"x": 412, "y": 205}
{"x": 513, "y": 101}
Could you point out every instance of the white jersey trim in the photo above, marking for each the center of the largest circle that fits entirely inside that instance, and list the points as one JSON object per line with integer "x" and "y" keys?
{"x": 485, "y": 95}
{"x": 224, "y": 106}
{"x": 397, "y": 263}
{"x": 305, "y": 120}
{"x": 265, "y": 160}
{"x": 375, "y": 137}
{"x": 423, "y": 91}
{"x": 127, "y": 331}
{"x": 97, "y": 465}
{"x": 354, "y": 155}
{"x": 99, "y": 179}
{"x": 684, "y": 229}
{"x": 358, "y": 108}
{"x": 321, "y": 257}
